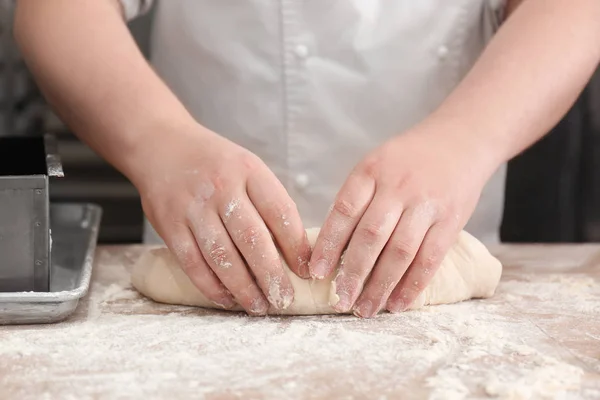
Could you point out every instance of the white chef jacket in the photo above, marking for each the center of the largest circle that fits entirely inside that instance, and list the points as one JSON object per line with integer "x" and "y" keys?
{"x": 311, "y": 86}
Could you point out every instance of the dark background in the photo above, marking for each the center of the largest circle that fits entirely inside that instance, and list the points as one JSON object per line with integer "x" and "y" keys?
{"x": 552, "y": 189}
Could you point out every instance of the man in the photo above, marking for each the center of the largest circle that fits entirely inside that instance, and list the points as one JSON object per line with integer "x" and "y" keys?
{"x": 400, "y": 113}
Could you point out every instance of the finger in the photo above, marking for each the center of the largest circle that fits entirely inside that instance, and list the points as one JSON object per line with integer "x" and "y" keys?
{"x": 253, "y": 240}
{"x": 280, "y": 214}
{"x": 223, "y": 258}
{"x": 348, "y": 207}
{"x": 367, "y": 242}
{"x": 394, "y": 261}
{"x": 438, "y": 240}
{"x": 183, "y": 246}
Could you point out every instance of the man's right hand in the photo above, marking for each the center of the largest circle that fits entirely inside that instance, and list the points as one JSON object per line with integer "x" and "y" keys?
{"x": 214, "y": 203}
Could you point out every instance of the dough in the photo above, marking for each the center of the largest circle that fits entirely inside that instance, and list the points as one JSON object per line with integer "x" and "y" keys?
{"x": 468, "y": 271}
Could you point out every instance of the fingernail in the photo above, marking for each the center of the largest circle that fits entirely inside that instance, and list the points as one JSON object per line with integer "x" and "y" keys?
{"x": 225, "y": 302}
{"x": 303, "y": 268}
{"x": 399, "y": 305}
{"x": 343, "y": 305}
{"x": 347, "y": 289}
{"x": 319, "y": 269}
{"x": 259, "y": 307}
{"x": 396, "y": 306}
{"x": 286, "y": 297}
{"x": 364, "y": 309}
{"x": 279, "y": 296}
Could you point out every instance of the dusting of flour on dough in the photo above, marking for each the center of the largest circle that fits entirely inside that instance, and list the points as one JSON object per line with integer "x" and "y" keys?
{"x": 283, "y": 299}
{"x": 333, "y": 297}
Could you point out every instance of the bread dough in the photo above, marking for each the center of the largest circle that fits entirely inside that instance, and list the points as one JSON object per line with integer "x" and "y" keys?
{"x": 468, "y": 271}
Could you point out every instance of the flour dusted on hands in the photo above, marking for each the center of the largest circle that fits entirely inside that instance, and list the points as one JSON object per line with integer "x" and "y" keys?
{"x": 468, "y": 271}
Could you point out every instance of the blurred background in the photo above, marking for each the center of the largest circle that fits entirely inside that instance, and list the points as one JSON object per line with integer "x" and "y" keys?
{"x": 552, "y": 190}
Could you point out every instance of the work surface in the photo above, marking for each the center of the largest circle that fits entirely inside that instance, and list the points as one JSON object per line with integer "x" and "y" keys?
{"x": 538, "y": 336}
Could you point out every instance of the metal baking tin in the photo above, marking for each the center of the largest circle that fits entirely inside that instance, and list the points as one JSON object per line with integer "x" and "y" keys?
{"x": 26, "y": 164}
{"x": 74, "y": 234}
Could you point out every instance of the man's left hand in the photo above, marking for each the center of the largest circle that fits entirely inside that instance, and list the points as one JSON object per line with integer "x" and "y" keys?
{"x": 397, "y": 215}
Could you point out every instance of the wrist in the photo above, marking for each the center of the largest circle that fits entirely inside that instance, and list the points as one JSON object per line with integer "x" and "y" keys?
{"x": 154, "y": 141}
{"x": 465, "y": 143}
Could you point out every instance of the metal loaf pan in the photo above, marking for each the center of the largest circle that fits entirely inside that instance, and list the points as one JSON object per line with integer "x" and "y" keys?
{"x": 73, "y": 244}
{"x": 26, "y": 164}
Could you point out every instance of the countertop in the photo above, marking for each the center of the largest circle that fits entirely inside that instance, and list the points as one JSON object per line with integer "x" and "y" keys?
{"x": 538, "y": 337}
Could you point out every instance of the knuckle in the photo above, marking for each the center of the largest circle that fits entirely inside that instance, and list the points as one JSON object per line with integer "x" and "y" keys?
{"x": 370, "y": 166}
{"x": 230, "y": 209}
{"x": 399, "y": 185}
{"x": 215, "y": 184}
{"x": 250, "y": 235}
{"x": 164, "y": 211}
{"x": 452, "y": 217}
{"x": 218, "y": 254}
{"x": 428, "y": 206}
{"x": 371, "y": 233}
{"x": 345, "y": 208}
{"x": 277, "y": 210}
{"x": 449, "y": 209}
{"x": 250, "y": 161}
{"x": 402, "y": 251}
{"x": 432, "y": 258}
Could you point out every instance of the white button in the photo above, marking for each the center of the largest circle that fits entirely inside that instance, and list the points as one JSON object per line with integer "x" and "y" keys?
{"x": 302, "y": 181}
{"x": 301, "y": 51}
{"x": 442, "y": 51}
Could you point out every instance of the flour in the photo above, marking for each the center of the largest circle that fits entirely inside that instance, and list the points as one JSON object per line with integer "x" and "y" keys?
{"x": 557, "y": 293}
{"x": 238, "y": 355}
{"x": 120, "y": 345}
{"x": 276, "y": 294}
{"x": 231, "y": 207}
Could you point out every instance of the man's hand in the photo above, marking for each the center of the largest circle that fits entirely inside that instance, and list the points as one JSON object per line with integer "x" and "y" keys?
{"x": 210, "y": 200}
{"x": 402, "y": 207}
{"x": 398, "y": 213}
{"x": 215, "y": 204}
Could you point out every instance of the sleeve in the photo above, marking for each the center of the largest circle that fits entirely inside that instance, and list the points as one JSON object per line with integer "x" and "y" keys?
{"x": 135, "y": 8}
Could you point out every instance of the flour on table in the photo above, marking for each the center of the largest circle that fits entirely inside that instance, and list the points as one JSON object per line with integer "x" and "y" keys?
{"x": 120, "y": 345}
{"x": 468, "y": 271}
{"x": 451, "y": 352}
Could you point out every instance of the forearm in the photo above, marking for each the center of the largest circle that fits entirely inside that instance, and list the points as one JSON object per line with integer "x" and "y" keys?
{"x": 526, "y": 80}
{"x": 91, "y": 71}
